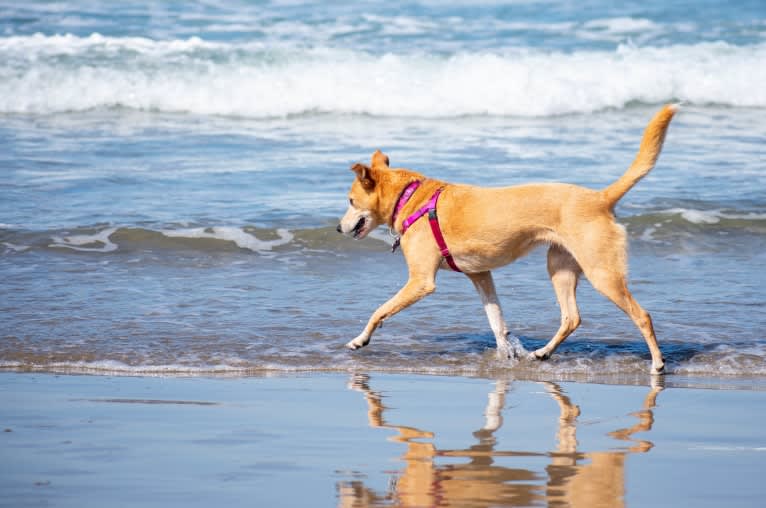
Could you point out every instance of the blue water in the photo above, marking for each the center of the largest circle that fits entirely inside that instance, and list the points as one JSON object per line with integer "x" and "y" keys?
{"x": 172, "y": 174}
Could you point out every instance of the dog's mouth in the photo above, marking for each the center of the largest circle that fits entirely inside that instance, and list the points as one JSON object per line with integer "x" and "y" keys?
{"x": 358, "y": 229}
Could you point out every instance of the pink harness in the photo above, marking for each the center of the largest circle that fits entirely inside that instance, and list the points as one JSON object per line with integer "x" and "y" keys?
{"x": 433, "y": 220}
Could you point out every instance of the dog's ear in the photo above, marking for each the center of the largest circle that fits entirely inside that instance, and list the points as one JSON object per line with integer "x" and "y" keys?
{"x": 379, "y": 160}
{"x": 364, "y": 175}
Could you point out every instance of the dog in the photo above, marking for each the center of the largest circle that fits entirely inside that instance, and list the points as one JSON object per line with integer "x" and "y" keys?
{"x": 478, "y": 229}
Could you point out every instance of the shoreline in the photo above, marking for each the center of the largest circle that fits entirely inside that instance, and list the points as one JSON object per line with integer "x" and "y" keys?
{"x": 374, "y": 440}
{"x": 721, "y": 382}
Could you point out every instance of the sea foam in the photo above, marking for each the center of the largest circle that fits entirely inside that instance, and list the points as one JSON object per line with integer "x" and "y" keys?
{"x": 242, "y": 239}
{"x": 702, "y": 217}
{"x": 97, "y": 242}
{"x": 66, "y": 73}
{"x": 103, "y": 241}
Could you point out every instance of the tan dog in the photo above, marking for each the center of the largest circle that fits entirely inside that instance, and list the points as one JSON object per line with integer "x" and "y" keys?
{"x": 486, "y": 228}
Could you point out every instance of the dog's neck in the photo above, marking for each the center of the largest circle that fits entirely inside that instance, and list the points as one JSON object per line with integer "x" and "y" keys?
{"x": 395, "y": 200}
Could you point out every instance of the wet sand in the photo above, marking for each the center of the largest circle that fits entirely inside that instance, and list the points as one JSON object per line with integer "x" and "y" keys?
{"x": 376, "y": 440}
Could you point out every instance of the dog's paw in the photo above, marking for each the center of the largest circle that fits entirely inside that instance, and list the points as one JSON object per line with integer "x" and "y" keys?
{"x": 658, "y": 370}
{"x": 539, "y": 355}
{"x": 358, "y": 343}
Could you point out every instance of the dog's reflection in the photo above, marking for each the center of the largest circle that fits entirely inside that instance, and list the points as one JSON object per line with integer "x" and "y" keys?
{"x": 572, "y": 478}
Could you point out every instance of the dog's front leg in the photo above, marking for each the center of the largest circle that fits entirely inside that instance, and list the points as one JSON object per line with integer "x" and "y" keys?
{"x": 415, "y": 289}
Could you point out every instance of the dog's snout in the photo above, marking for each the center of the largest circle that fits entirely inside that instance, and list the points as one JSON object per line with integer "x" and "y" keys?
{"x": 339, "y": 229}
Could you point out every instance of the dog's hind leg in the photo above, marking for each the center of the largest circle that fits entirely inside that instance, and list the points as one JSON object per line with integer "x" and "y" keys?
{"x": 486, "y": 288}
{"x": 604, "y": 264}
{"x": 564, "y": 272}
{"x": 614, "y": 287}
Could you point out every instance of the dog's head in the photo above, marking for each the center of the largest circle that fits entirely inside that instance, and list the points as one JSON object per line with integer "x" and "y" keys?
{"x": 364, "y": 211}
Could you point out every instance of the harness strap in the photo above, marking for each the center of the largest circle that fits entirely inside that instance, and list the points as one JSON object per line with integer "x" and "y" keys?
{"x": 404, "y": 197}
{"x": 412, "y": 219}
{"x": 433, "y": 220}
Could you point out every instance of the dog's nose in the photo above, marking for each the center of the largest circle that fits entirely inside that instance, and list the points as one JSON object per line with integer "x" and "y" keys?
{"x": 338, "y": 229}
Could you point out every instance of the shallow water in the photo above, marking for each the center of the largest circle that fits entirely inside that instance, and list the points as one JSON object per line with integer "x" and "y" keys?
{"x": 170, "y": 189}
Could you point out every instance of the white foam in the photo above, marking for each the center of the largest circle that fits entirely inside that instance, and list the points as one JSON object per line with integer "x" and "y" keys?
{"x": 622, "y": 25}
{"x": 695, "y": 216}
{"x": 726, "y": 360}
{"x": 648, "y": 234}
{"x": 87, "y": 243}
{"x": 101, "y": 241}
{"x": 402, "y": 25}
{"x": 114, "y": 367}
{"x": 38, "y": 46}
{"x": 711, "y": 216}
{"x": 15, "y": 248}
{"x": 744, "y": 216}
{"x": 246, "y": 79}
{"x": 241, "y": 238}
{"x": 620, "y": 29}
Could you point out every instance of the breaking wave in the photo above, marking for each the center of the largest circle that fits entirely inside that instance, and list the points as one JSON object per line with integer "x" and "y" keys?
{"x": 653, "y": 226}
{"x": 42, "y": 74}
{"x": 661, "y": 225}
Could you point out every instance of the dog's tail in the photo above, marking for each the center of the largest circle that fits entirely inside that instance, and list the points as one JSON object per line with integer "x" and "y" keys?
{"x": 648, "y": 152}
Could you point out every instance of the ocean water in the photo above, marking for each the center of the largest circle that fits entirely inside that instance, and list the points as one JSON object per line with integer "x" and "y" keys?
{"x": 172, "y": 174}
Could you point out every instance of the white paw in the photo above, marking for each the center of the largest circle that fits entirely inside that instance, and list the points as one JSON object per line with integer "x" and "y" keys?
{"x": 358, "y": 342}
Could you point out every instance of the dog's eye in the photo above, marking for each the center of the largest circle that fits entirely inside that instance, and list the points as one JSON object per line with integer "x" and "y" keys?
{"x": 351, "y": 202}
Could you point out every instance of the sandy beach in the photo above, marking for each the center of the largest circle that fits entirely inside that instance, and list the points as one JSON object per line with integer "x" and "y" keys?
{"x": 375, "y": 440}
